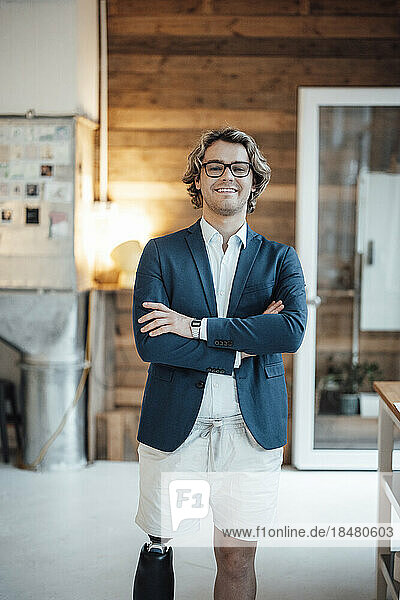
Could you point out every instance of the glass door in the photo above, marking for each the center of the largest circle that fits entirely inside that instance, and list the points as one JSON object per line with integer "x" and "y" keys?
{"x": 347, "y": 236}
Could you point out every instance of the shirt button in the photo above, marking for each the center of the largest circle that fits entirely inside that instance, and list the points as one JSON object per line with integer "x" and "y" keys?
{"x": 221, "y": 292}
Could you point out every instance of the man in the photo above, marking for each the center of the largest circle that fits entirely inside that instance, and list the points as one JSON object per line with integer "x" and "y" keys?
{"x": 215, "y": 305}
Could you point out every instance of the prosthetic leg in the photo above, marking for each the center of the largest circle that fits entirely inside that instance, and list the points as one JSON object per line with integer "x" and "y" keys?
{"x": 154, "y": 578}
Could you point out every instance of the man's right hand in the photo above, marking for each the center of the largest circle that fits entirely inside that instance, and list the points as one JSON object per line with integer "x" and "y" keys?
{"x": 273, "y": 309}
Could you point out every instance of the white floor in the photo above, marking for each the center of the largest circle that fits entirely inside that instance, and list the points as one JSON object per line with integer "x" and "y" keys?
{"x": 72, "y": 536}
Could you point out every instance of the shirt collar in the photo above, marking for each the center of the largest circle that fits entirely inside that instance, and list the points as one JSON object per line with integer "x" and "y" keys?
{"x": 209, "y": 231}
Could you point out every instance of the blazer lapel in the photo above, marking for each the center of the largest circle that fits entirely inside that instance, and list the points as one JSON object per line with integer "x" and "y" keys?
{"x": 246, "y": 259}
{"x": 247, "y": 256}
{"x": 195, "y": 241}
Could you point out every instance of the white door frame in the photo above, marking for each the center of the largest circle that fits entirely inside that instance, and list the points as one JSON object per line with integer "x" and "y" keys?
{"x": 304, "y": 456}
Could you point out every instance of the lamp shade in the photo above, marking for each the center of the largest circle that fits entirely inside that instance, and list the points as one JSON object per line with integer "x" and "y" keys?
{"x": 126, "y": 258}
{"x": 126, "y": 255}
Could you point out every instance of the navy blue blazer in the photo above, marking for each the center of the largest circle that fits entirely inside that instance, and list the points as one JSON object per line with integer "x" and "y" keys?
{"x": 174, "y": 269}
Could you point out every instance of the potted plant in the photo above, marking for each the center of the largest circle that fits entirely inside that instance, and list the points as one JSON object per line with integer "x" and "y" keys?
{"x": 351, "y": 380}
{"x": 349, "y": 377}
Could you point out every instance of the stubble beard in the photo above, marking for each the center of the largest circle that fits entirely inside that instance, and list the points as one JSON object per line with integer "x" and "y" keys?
{"x": 226, "y": 210}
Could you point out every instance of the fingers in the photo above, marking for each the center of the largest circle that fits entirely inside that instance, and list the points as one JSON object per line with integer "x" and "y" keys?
{"x": 155, "y": 305}
{"x": 159, "y": 319}
{"x": 274, "y": 308}
{"x": 275, "y": 303}
{"x": 154, "y": 324}
{"x": 160, "y": 330}
{"x": 151, "y": 315}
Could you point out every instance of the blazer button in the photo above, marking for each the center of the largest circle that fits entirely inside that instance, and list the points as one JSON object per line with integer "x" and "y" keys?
{"x": 200, "y": 385}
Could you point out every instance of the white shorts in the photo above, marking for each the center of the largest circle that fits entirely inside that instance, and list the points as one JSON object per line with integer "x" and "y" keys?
{"x": 243, "y": 478}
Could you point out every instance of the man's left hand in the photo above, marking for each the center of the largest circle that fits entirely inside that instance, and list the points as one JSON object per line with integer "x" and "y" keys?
{"x": 165, "y": 320}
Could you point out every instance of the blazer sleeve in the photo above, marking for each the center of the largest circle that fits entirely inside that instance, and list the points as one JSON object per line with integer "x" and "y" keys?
{"x": 169, "y": 348}
{"x": 268, "y": 334}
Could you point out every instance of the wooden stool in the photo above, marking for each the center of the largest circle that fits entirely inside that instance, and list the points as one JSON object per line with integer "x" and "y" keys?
{"x": 8, "y": 393}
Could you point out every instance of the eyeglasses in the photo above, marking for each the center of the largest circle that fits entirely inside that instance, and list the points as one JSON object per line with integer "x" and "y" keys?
{"x": 214, "y": 168}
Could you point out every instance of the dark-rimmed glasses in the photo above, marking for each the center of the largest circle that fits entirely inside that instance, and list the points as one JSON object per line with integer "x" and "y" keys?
{"x": 215, "y": 168}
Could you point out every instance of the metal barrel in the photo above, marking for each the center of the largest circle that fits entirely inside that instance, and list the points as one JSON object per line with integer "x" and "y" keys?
{"x": 49, "y": 329}
{"x": 48, "y": 390}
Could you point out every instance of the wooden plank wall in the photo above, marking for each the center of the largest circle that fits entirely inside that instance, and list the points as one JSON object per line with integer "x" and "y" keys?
{"x": 179, "y": 66}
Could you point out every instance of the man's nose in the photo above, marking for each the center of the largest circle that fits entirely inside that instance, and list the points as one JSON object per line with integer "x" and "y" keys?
{"x": 227, "y": 174}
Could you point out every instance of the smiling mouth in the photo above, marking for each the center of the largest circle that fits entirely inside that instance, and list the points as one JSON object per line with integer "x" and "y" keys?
{"x": 226, "y": 191}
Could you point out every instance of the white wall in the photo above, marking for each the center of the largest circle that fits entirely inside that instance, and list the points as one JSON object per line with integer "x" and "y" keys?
{"x": 48, "y": 62}
{"x": 88, "y": 58}
{"x": 49, "y": 57}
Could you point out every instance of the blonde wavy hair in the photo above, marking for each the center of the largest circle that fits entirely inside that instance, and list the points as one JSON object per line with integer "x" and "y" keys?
{"x": 260, "y": 168}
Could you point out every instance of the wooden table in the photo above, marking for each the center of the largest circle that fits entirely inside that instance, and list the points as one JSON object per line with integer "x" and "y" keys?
{"x": 389, "y": 485}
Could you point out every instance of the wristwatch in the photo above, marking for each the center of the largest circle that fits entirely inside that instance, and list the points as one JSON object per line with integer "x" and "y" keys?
{"x": 195, "y": 325}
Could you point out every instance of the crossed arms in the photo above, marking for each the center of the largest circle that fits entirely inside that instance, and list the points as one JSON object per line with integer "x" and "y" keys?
{"x": 267, "y": 333}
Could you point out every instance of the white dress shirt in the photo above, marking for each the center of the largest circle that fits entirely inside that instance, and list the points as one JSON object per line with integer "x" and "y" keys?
{"x": 220, "y": 397}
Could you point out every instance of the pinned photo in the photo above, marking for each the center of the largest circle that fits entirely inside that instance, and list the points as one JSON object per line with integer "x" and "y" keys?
{"x": 58, "y": 191}
{"x": 64, "y": 172}
{"x": 32, "y": 189}
{"x": 6, "y": 215}
{"x": 46, "y": 170}
{"x": 32, "y": 216}
{"x": 58, "y": 226}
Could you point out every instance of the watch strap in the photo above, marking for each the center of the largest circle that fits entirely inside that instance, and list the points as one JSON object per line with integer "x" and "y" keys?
{"x": 195, "y": 325}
